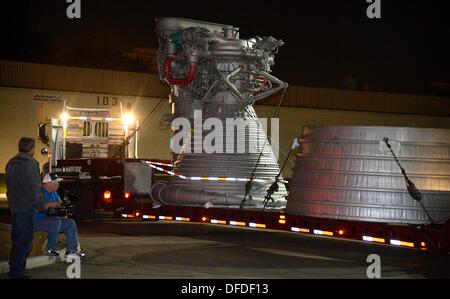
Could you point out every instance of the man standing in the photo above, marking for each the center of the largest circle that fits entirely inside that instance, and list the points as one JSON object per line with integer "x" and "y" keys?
{"x": 24, "y": 195}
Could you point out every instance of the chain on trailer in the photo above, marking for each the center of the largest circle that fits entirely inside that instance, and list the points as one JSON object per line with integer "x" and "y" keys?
{"x": 272, "y": 189}
{"x": 410, "y": 186}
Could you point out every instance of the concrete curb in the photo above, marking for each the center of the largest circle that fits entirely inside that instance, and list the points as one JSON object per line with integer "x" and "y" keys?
{"x": 37, "y": 261}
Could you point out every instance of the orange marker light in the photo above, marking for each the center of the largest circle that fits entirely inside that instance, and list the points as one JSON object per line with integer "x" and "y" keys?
{"x": 127, "y": 195}
{"x": 341, "y": 232}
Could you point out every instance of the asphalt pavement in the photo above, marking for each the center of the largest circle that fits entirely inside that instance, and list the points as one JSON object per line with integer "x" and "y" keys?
{"x": 136, "y": 249}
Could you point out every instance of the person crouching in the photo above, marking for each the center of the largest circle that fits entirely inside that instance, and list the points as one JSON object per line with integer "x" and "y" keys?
{"x": 53, "y": 225}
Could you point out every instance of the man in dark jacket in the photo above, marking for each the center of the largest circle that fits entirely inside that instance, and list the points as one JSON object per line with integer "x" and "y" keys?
{"x": 24, "y": 193}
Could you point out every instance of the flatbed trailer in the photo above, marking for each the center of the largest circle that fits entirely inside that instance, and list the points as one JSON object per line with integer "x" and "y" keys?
{"x": 426, "y": 237}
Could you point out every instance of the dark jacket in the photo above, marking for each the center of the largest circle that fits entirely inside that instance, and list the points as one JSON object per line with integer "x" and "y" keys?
{"x": 23, "y": 183}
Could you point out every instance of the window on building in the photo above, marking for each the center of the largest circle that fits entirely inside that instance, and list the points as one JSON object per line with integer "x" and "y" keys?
{"x": 101, "y": 129}
{"x": 86, "y": 128}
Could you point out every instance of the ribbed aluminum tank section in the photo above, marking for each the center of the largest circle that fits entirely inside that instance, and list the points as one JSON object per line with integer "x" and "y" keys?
{"x": 348, "y": 173}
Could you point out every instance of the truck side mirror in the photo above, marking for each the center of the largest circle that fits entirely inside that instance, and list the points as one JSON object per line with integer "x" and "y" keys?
{"x": 43, "y": 133}
{"x": 44, "y": 152}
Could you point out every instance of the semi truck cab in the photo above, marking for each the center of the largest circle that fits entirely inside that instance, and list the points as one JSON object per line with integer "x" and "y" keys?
{"x": 96, "y": 152}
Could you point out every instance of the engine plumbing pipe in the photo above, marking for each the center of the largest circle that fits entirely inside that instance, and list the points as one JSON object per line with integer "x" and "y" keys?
{"x": 182, "y": 81}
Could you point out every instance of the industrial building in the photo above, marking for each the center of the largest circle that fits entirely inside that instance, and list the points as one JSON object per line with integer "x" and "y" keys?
{"x": 33, "y": 93}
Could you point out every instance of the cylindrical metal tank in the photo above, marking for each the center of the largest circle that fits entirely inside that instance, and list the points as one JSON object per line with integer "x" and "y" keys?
{"x": 348, "y": 173}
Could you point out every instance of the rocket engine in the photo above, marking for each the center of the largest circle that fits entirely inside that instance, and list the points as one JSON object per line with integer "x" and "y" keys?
{"x": 220, "y": 148}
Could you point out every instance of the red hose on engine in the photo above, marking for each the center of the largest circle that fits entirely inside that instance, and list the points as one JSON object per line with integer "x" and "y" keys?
{"x": 182, "y": 81}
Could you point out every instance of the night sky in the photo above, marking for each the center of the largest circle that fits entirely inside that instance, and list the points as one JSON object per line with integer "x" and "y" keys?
{"x": 328, "y": 44}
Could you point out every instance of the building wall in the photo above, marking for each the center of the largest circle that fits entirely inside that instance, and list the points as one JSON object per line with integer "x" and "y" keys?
{"x": 358, "y": 100}
{"x": 57, "y": 77}
{"x": 292, "y": 121}
{"x": 20, "y": 115}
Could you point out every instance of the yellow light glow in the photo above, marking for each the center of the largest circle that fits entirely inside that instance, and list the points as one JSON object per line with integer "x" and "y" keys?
{"x": 165, "y": 218}
{"x": 182, "y": 219}
{"x": 402, "y": 243}
{"x": 373, "y": 239}
{"x": 215, "y": 221}
{"x": 407, "y": 244}
{"x": 258, "y": 225}
{"x": 282, "y": 217}
{"x": 64, "y": 116}
{"x": 128, "y": 119}
{"x": 149, "y": 217}
{"x": 423, "y": 244}
{"x": 341, "y": 232}
{"x": 281, "y": 221}
{"x": 322, "y": 232}
{"x": 237, "y": 223}
{"x": 300, "y": 230}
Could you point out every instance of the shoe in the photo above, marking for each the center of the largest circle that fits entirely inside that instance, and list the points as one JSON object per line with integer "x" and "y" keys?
{"x": 73, "y": 254}
{"x": 51, "y": 252}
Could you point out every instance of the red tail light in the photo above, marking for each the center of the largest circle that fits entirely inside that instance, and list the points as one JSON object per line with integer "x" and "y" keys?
{"x": 107, "y": 196}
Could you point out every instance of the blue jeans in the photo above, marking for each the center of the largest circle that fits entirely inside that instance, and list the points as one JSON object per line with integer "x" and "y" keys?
{"x": 22, "y": 235}
{"x": 53, "y": 226}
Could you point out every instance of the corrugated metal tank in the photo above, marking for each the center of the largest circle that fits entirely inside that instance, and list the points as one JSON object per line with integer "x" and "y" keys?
{"x": 348, "y": 173}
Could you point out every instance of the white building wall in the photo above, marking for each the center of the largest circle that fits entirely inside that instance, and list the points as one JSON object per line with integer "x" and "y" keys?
{"x": 21, "y": 112}
{"x": 20, "y": 116}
